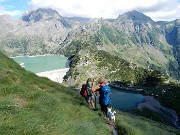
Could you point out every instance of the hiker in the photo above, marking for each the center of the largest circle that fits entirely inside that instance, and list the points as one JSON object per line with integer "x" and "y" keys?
{"x": 104, "y": 98}
{"x": 89, "y": 97}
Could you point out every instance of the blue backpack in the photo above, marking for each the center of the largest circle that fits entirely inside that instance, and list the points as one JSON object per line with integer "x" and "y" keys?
{"x": 104, "y": 97}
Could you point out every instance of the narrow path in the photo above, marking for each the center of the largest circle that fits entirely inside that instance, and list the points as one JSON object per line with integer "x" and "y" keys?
{"x": 112, "y": 128}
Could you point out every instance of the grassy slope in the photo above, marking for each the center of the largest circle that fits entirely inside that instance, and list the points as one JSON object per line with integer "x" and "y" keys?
{"x": 135, "y": 125}
{"x": 34, "y": 105}
{"x": 171, "y": 97}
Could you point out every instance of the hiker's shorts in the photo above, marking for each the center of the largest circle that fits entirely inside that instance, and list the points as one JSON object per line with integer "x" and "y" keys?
{"x": 89, "y": 98}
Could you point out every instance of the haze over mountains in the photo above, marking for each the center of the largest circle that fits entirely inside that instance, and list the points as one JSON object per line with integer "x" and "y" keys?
{"x": 133, "y": 36}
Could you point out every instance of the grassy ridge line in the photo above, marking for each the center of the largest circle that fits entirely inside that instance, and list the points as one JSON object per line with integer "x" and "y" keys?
{"x": 34, "y": 105}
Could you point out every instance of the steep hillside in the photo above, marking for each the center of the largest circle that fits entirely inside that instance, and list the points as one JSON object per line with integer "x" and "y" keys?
{"x": 33, "y": 105}
{"x": 172, "y": 34}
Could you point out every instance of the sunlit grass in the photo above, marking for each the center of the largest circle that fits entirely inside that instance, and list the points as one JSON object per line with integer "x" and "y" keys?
{"x": 134, "y": 125}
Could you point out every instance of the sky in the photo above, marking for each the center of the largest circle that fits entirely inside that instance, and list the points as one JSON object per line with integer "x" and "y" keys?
{"x": 158, "y": 10}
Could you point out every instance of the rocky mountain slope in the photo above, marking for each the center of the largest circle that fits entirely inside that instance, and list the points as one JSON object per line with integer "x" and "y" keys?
{"x": 132, "y": 36}
{"x": 37, "y": 32}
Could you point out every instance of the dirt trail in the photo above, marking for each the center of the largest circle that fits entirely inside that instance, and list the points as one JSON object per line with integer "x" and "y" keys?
{"x": 112, "y": 127}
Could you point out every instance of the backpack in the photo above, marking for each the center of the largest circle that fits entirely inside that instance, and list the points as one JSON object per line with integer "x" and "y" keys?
{"x": 83, "y": 91}
{"x": 105, "y": 95}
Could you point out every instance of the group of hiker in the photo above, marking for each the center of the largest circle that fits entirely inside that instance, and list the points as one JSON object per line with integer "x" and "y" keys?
{"x": 89, "y": 92}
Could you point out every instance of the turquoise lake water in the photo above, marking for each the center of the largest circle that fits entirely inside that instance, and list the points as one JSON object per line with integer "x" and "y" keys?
{"x": 124, "y": 101}
{"x": 38, "y": 64}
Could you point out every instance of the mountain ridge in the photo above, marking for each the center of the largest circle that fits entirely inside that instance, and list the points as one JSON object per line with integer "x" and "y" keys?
{"x": 136, "y": 16}
{"x": 129, "y": 33}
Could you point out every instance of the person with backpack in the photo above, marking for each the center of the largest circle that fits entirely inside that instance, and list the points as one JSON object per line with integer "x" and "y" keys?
{"x": 105, "y": 95}
{"x": 89, "y": 96}
{"x": 86, "y": 92}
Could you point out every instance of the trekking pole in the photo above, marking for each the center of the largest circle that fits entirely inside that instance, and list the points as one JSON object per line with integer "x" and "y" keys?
{"x": 96, "y": 100}
{"x": 94, "y": 95}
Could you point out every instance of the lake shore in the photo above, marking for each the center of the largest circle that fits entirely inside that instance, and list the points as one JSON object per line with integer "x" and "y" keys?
{"x": 35, "y": 55}
{"x": 152, "y": 104}
{"x": 54, "y": 75}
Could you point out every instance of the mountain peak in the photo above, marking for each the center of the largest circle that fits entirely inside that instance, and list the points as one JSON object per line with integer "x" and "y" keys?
{"x": 41, "y": 14}
{"x": 136, "y": 16}
{"x": 5, "y": 16}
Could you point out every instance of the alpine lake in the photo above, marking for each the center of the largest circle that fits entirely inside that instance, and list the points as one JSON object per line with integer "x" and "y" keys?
{"x": 37, "y": 64}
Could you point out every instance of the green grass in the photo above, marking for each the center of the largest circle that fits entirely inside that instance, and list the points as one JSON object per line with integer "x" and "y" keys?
{"x": 169, "y": 98}
{"x": 140, "y": 126}
{"x": 113, "y": 35}
{"x": 31, "y": 105}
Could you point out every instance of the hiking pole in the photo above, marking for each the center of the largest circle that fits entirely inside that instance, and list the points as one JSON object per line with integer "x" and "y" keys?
{"x": 95, "y": 106}
{"x": 96, "y": 101}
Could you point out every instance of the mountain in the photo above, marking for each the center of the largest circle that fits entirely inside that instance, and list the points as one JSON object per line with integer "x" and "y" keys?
{"x": 132, "y": 22}
{"x": 7, "y": 24}
{"x": 172, "y": 30}
{"x": 140, "y": 41}
{"x": 77, "y": 21}
{"x": 41, "y": 15}
{"x": 37, "y": 32}
{"x": 132, "y": 36}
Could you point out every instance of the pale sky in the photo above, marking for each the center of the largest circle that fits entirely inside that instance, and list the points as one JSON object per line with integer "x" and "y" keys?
{"x": 158, "y": 10}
